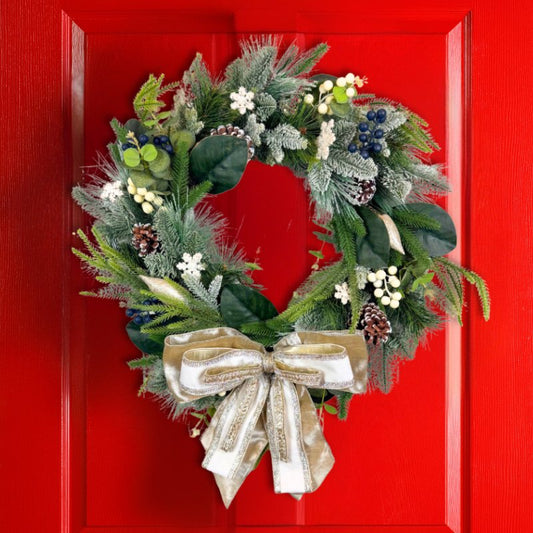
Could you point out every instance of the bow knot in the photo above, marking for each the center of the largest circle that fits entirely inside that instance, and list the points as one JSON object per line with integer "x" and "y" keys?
{"x": 273, "y": 384}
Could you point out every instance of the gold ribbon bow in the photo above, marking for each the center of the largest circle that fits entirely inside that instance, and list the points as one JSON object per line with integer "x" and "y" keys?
{"x": 269, "y": 402}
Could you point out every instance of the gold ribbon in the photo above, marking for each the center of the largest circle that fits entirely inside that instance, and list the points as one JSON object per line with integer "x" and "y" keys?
{"x": 269, "y": 402}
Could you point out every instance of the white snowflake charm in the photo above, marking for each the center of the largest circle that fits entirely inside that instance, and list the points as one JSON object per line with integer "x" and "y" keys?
{"x": 342, "y": 293}
{"x": 242, "y": 100}
{"x": 191, "y": 265}
{"x": 111, "y": 191}
{"x": 325, "y": 139}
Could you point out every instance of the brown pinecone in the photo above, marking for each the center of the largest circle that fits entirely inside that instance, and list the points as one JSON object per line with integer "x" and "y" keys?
{"x": 144, "y": 239}
{"x": 234, "y": 131}
{"x": 367, "y": 189}
{"x": 376, "y": 327}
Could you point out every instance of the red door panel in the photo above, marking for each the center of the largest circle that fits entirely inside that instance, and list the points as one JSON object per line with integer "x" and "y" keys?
{"x": 444, "y": 451}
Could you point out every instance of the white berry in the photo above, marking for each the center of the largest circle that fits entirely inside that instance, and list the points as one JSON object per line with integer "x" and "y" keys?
{"x": 132, "y": 189}
{"x": 147, "y": 208}
{"x": 350, "y": 78}
{"x": 158, "y": 200}
{"x": 394, "y": 281}
{"x": 341, "y": 82}
{"x": 322, "y": 109}
{"x": 378, "y": 293}
{"x": 149, "y": 196}
{"x": 385, "y": 300}
{"x": 138, "y": 198}
{"x": 329, "y": 99}
{"x": 328, "y": 85}
{"x": 142, "y": 191}
{"x": 371, "y": 277}
{"x": 378, "y": 283}
{"x": 380, "y": 274}
{"x": 308, "y": 98}
{"x": 397, "y": 295}
{"x": 350, "y": 92}
{"x": 392, "y": 270}
{"x": 395, "y": 304}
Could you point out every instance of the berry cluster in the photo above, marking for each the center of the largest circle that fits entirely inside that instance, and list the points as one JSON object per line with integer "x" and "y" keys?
{"x": 383, "y": 282}
{"x": 369, "y": 134}
{"x": 142, "y": 317}
{"x": 143, "y": 139}
{"x": 164, "y": 142}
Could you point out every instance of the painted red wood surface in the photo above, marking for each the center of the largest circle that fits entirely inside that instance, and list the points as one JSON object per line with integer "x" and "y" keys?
{"x": 448, "y": 450}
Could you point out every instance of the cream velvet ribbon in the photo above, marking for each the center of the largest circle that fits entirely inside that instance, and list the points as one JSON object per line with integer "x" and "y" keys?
{"x": 269, "y": 402}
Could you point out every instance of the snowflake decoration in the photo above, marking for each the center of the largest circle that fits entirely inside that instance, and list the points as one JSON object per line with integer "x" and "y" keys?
{"x": 325, "y": 139}
{"x": 191, "y": 265}
{"x": 242, "y": 100}
{"x": 342, "y": 293}
{"x": 111, "y": 191}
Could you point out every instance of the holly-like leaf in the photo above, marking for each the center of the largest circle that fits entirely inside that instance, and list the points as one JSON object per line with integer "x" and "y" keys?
{"x": 240, "y": 304}
{"x": 146, "y": 343}
{"x": 373, "y": 250}
{"x": 220, "y": 159}
{"x": 132, "y": 157}
{"x": 439, "y": 241}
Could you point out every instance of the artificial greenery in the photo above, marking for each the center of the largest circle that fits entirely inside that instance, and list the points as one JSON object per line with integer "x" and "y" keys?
{"x": 363, "y": 159}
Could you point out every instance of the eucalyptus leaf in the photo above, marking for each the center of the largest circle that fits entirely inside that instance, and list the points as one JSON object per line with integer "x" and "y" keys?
{"x": 161, "y": 162}
{"x": 141, "y": 179}
{"x": 132, "y": 157}
{"x": 330, "y": 409}
{"x": 340, "y": 94}
{"x": 341, "y": 110}
{"x": 220, "y": 159}
{"x": 149, "y": 152}
{"x": 144, "y": 342}
{"x": 240, "y": 304}
{"x": 373, "y": 250}
{"x": 440, "y": 241}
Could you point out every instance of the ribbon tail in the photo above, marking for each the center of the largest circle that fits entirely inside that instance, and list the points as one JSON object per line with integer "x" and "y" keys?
{"x": 236, "y": 437}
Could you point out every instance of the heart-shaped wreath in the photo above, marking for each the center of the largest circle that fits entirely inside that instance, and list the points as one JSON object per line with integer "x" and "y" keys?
{"x": 203, "y": 328}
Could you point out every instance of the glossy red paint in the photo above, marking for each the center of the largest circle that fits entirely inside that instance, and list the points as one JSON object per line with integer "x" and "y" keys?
{"x": 449, "y": 450}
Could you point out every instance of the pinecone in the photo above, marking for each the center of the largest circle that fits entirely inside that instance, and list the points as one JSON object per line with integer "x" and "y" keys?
{"x": 144, "y": 239}
{"x": 376, "y": 327}
{"x": 234, "y": 131}
{"x": 367, "y": 189}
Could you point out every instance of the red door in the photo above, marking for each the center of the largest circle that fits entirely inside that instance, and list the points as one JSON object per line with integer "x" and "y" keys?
{"x": 448, "y": 450}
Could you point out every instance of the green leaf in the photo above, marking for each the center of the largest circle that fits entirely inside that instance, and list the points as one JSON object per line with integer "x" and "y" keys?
{"x": 143, "y": 341}
{"x": 373, "y": 250}
{"x": 326, "y": 237}
{"x": 317, "y": 253}
{"x": 439, "y": 241}
{"x": 148, "y": 152}
{"x": 340, "y": 94}
{"x": 240, "y": 304}
{"x": 253, "y": 266}
{"x": 341, "y": 110}
{"x": 132, "y": 157}
{"x": 220, "y": 159}
{"x": 150, "y": 123}
{"x": 422, "y": 280}
{"x": 163, "y": 115}
{"x": 141, "y": 179}
{"x": 184, "y": 137}
{"x": 330, "y": 409}
{"x": 161, "y": 163}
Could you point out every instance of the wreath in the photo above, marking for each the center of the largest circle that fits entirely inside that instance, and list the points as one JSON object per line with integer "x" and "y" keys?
{"x": 213, "y": 346}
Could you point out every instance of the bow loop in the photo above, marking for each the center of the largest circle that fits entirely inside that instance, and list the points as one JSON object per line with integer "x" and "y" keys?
{"x": 208, "y": 362}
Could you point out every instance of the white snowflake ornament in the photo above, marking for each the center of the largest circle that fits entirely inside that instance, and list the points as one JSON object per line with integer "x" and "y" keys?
{"x": 342, "y": 293}
{"x": 111, "y": 191}
{"x": 242, "y": 100}
{"x": 191, "y": 265}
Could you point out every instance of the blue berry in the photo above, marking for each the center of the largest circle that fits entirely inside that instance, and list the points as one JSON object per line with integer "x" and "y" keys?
{"x": 363, "y": 137}
{"x": 138, "y": 320}
{"x": 157, "y": 140}
{"x": 168, "y": 148}
{"x": 381, "y": 113}
{"x": 164, "y": 139}
{"x": 147, "y": 318}
{"x": 376, "y": 147}
{"x": 363, "y": 126}
{"x": 365, "y": 154}
{"x": 371, "y": 115}
{"x": 125, "y": 146}
{"x": 381, "y": 120}
{"x": 143, "y": 139}
{"x": 378, "y": 133}
{"x": 352, "y": 148}
{"x": 130, "y": 312}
